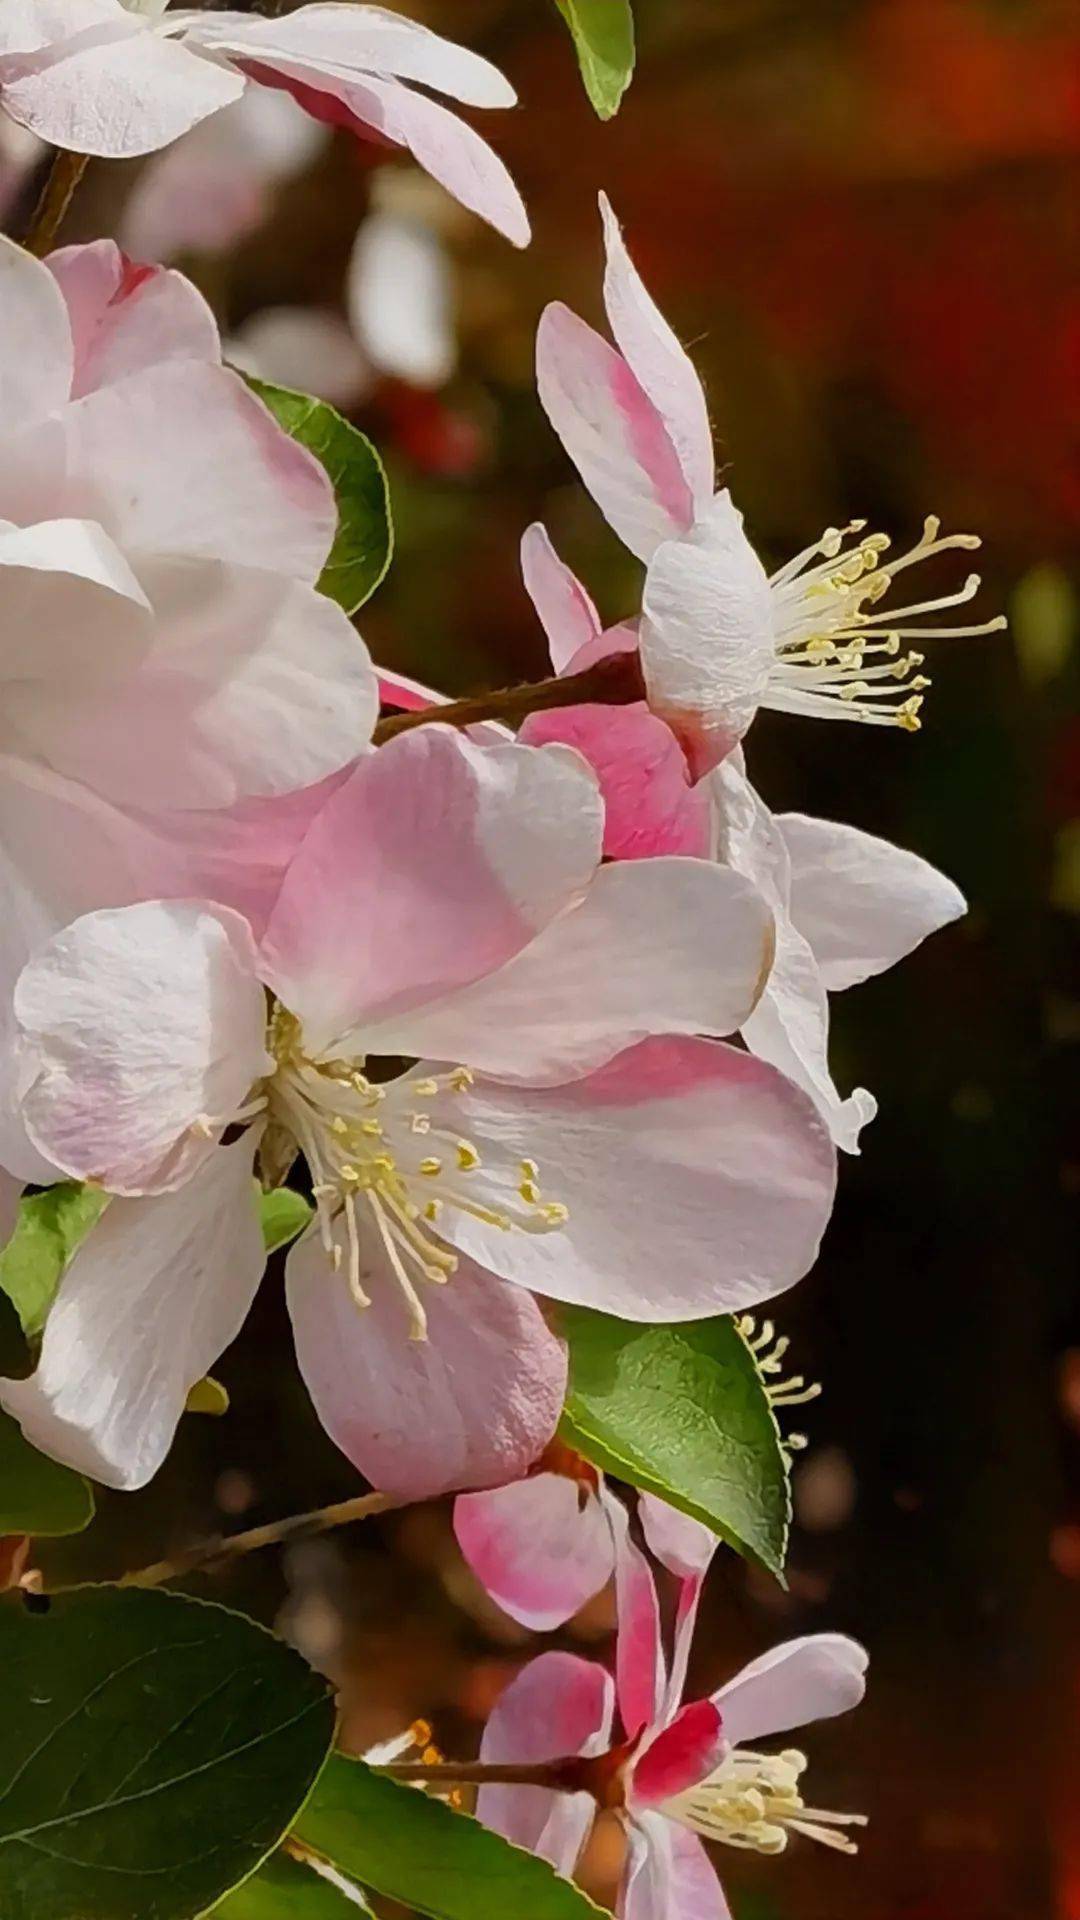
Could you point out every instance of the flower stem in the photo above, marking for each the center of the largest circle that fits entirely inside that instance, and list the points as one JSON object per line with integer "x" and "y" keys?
{"x": 614, "y": 682}
{"x": 230, "y": 1546}
{"x": 65, "y": 172}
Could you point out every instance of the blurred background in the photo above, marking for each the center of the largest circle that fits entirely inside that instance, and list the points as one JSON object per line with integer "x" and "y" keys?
{"x": 860, "y": 216}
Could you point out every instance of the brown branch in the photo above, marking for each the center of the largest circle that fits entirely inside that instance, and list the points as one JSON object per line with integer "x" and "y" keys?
{"x": 65, "y": 172}
{"x": 229, "y": 1546}
{"x": 614, "y": 682}
{"x": 554, "y": 1774}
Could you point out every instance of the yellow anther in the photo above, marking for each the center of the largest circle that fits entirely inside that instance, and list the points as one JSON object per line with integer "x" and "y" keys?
{"x": 339, "y": 1126}
{"x": 419, "y": 1123}
{"x": 554, "y": 1213}
{"x": 424, "y": 1089}
{"x": 467, "y": 1157}
{"x": 431, "y": 1167}
{"x": 461, "y": 1079}
{"x": 528, "y": 1170}
{"x": 530, "y": 1192}
{"x": 433, "y": 1209}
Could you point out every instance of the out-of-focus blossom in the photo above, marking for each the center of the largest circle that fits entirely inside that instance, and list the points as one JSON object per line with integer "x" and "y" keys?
{"x": 680, "y": 1774}
{"x": 400, "y": 289}
{"x": 102, "y": 77}
{"x": 447, "y": 902}
{"x": 311, "y": 349}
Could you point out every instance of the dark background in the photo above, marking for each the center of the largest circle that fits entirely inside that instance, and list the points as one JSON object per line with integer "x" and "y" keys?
{"x": 859, "y": 213}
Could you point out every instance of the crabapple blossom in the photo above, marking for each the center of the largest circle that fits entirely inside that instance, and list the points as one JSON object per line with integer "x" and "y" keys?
{"x": 446, "y": 905}
{"x": 169, "y": 706}
{"x": 680, "y": 1774}
{"x": 114, "y": 79}
{"x": 717, "y": 637}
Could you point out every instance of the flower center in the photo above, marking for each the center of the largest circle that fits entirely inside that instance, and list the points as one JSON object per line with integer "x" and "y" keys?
{"x": 395, "y": 1168}
{"x": 835, "y": 658}
{"x": 752, "y": 1800}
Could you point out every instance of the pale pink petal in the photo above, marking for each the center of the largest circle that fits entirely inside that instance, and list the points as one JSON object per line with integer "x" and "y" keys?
{"x": 542, "y": 1547}
{"x": 436, "y": 862}
{"x": 153, "y": 1296}
{"x": 36, "y": 353}
{"x": 691, "y": 1589}
{"x": 656, "y": 946}
{"x": 397, "y": 690}
{"x": 706, "y": 634}
{"x": 789, "y": 1027}
{"x": 698, "y": 1181}
{"x": 72, "y": 607}
{"x": 471, "y": 1405}
{"x": 684, "y": 1545}
{"x": 650, "y": 806}
{"x": 663, "y": 368}
{"x": 861, "y": 903}
{"x": 557, "y": 1706}
{"x": 125, "y": 317}
{"x": 117, "y": 91}
{"x": 30, "y": 27}
{"x": 565, "y": 610}
{"x": 669, "y": 1875}
{"x": 802, "y": 1680}
{"x": 612, "y": 432}
{"x": 399, "y": 294}
{"x": 640, "y": 1673}
{"x": 682, "y": 1754}
{"x": 178, "y": 459}
{"x": 143, "y": 1030}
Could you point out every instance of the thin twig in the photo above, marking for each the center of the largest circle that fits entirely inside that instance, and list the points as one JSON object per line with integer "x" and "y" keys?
{"x": 229, "y": 1546}
{"x": 467, "y": 1773}
{"x": 614, "y": 682}
{"x": 65, "y": 172}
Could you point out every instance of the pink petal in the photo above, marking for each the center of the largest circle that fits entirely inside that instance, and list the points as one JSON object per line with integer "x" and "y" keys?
{"x": 706, "y": 635}
{"x": 655, "y": 946}
{"x": 683, "y": 1544}
{"x": 435, "y": 863}
{"x": 472, "y": 1405}
{"x": 143, "y": 1030}
{"x": 566, "y": 613}
{"x": 117, "y": 91}
{"x": 669, "y": 1875}
{"x": 861, "y": 903}
{"x": 659, "y": 363}
{"x": 154, "y": 1295}
{"x": 557, "y": 1706}
{"x": 650, "y": 806}
{"x": 802, "y": 1680}
{"x": 640, "y": 1676}
{"x": 125, "y": 317}
{"x": 36, "y": 354}
{"x": 698, "y": 1181}
{"x": 612, "y": 433}
{"x": 684, "y": 1753}
{"x": 542, "y": 1547}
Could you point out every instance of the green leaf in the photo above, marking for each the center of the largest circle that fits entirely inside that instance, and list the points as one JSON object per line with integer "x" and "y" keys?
{"x": 284, "y": 1214}
{"x": 153, "y": 1750}
{"x": 49, "y": 1229}
{"x": 364, "y": 543}
{"x": 682, "y": 1411}
{"x": 284, "y": 1886}
{"x": 37, "y": 1495}
{"x": 603, "y": 33}
{"x": 420, "y": 1852}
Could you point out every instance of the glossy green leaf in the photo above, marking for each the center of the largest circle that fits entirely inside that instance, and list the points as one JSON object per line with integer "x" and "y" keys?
{"x": 364, "y": 543}
{"x": 284, "y": 1214}
{"x": 603, "y": 33}
{"x": 37, "y": 1495}
{"x": 153, "y": 1750}
{"x": 682, "y": 1411}
{"x": 288, "y": 1889}
{"x": 50, "y": 1227}
{"x": 420, "y": 1852}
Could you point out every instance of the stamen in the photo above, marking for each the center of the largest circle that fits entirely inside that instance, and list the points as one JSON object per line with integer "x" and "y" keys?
{"x": 769, "y": 1352}
{"x": 752, "y": 1800}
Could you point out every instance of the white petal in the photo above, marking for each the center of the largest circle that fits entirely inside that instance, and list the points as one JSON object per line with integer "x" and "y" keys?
{"x": 790, "y": 1027}
{"x": 565, "y": 610}
{"x": 791, "y": 1685}
{"x": 860, "y": 902}
{"x": 36, "y": 353}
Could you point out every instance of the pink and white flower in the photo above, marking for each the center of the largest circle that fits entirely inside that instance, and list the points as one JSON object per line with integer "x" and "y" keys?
{"x": 718, "y": 638}
{"x": 164, "y": 699}
{"x": 680, "y": 1774}
{"x": 585, "y": 1143}
{"x": 104, "y": 77}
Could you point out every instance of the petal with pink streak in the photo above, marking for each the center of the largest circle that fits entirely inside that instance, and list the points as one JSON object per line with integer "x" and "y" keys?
{"x": 471, "y": 1405}
{"x": 435, "y": 863}
{"x": 791, "y": 1685}
{"x": 861, "y": 903}
{"x": 542, "y": 1547}
{"x": 563, "y": 607}
{"x": 663, "y": 368}
{"x": 153, "y": 1296}
{"x": 669, "y": 1875}
{"x": 706, "y": 634}
{"x": 640, "y": 1674}
{"x": 683, "y": 1544}
{"x": 650, "y": 806}
{"x": 697, "y": 1181}
{"x": 142, "y": 1031}
{"x": 682, "y": 1754}
{"x": 125, "y": 317}
{"x": 36, "y": 353}
{"x": 612, "y": 433}
{"x": 557, "y": 1706}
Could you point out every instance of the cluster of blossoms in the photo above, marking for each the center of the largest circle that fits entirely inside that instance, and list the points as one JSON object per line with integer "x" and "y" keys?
{"x": 542, "y": 1019}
